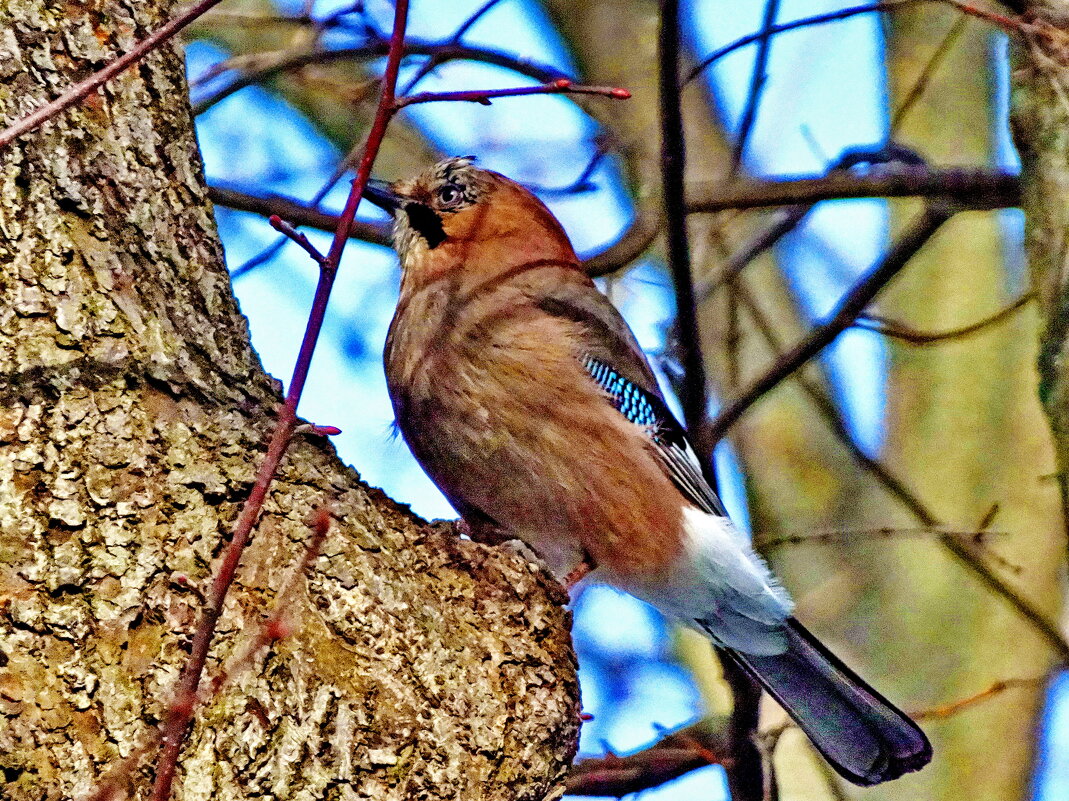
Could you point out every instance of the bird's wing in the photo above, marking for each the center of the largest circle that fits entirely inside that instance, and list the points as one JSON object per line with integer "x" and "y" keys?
{"x": 723, "y": 587}
{"x": 651, "y": 412}
{"x": 615, "y": 362}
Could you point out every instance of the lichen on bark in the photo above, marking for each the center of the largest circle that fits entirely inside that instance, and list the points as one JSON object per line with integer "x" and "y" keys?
{"x": 1039, "y": 117}
{"x": 133, "y": 416}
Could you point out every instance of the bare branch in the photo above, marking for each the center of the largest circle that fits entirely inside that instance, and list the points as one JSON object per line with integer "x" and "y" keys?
{"x": 292, "y": 233}
{"x": 1008, "y": 24}
{"x": 443, "y": 52}
{"x": 912, "y": 336}
{"x": 181, "y": 712}
{"x": 296, "y": 212}
{"x": 883, "y": 474}
{"x": 974, "y": 188}
{"x": 820, "y": 19}
{"x": 273, "y": 628}
{"x": 789, "y": 219}
{"x": 954, "y": 707}
{"x": 673, "y": 166}
{"x": 852, "y": 304}
{"x": 697, "y": 746}
{"x": 561, "y": 86}
{"x": 635, "y": 241}
{"x": 757, "y": 84}
{"x": 921, "y": 84}
{"x": 434, "y": 62}
{"x": 885, "y": 532}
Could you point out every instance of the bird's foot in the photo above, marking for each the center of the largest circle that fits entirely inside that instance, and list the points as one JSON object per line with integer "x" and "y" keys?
{"x": 579, "y": 572}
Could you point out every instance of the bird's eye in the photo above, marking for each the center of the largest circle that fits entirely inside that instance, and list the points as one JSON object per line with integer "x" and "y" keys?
{"x": 449, "y": 195}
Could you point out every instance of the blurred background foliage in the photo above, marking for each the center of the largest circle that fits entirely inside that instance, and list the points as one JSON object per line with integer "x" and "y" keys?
{"x": 869, "y": 476}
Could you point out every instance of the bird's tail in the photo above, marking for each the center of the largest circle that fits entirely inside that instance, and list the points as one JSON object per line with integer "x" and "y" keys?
{"x": 864, "y": 737}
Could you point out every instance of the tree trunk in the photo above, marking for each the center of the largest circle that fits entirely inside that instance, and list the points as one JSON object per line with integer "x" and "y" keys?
{"x": 1039, "y": 110}
{"x": 965, "y": 432}
{"x": 134, "y": 416}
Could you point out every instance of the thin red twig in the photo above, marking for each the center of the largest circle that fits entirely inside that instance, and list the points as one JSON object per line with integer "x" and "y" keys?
{"x": 483, "y": 96}
{"x": 273, "y": 628}
{"x": 277, "y": 625}
{"x": 181, "y": 711}
{"x": 954, "y": 707}
{"x": 301, "y": 239}
{"x": 441, "y": 52}
{"x": 82, "y": 89}
{"x": 317, "y": 430}
{"x": 1008, "y": 24}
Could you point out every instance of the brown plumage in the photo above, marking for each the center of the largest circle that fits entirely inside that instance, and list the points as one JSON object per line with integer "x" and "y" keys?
{"x": 525, "y": 396}
{"x": 471, "y": 337}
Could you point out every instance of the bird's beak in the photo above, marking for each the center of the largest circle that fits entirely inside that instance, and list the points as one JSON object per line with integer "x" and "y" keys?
{"x": 382, "y": 195}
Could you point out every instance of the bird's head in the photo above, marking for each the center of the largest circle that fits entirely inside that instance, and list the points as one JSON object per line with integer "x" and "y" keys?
{"x": 458, "y": 217}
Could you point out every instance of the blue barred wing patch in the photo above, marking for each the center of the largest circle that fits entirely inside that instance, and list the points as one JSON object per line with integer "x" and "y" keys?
{"x": 673, "y": 449}
{"x": 629, "y": 400}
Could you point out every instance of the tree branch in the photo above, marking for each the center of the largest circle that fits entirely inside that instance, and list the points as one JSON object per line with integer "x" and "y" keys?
{"x": 909, "y": 499}
{"x": 789, "y": 219}
{"x": 912, "y": 336}
{"x": 820, "y": 19}
{"x": 561, "y": 86}
{"x": 838, "y": 176}
{"x": 757, "y": 84}
{"x": 852, "y": 304}
{"x": 296, "y": 212}
{"x": 975, "y": 188}
{"x": 673, "y": 167}
{"x": 696, "y": 746}
{"x": 635, "y": 241}
{"x": 442, "y": 52}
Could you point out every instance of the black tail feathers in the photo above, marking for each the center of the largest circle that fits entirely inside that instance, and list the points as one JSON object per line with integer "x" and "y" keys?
{"x": 864, "y": 737}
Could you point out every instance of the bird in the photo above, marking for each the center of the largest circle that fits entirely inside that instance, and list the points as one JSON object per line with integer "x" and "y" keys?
{"x": 525, "y": 396}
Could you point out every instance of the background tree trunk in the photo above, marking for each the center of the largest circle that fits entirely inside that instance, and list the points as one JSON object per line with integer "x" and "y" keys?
{"x": 965, "y": 432}
{"x": 1039, "y": 111}
{"x": 133, "y": 418}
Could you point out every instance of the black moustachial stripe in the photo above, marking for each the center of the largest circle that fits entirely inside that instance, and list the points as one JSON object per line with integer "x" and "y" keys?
{"x": 426, "y": 221}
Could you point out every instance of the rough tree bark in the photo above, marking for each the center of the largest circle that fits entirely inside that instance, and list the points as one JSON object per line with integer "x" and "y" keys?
{"x": 1039, "y": 115}
{"x": 133, "y": 416}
